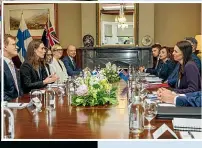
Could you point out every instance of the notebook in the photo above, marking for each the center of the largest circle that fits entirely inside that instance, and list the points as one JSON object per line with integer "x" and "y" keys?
{"x": 193, "y": 135}
{"x": 187, "y": 124}
{"x": 170, "y": 112}
{"x": 153, "y": 79}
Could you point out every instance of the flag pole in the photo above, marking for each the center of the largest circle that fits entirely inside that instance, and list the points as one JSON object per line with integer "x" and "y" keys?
{"x": 20, "y": 50}
{"x": 48, "y": 27}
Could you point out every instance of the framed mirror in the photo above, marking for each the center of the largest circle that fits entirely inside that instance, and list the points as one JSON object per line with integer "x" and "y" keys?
{"x": 117, "y": 24}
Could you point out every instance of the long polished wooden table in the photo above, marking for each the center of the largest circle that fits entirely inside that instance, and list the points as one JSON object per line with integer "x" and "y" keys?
{"x": 69, "y": 122}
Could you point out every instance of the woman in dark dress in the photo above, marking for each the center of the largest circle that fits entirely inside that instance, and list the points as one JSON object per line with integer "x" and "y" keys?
{"x": 167, "y": 65}
{"x": 189, "y": 77}
{"x": 32, "y": 72}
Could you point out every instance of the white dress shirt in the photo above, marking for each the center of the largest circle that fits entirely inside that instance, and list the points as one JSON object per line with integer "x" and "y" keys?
{"x": 174, "y": 101}
{"x": 72, "y": 60}
{"x": 60, "y": 72}
{"x": 12, "y": 70}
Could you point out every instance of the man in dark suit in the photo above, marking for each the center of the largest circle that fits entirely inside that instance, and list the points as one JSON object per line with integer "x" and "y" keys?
{"x": 12, "y": 88}
{"x": 194, "y": 43}
{"x": 155, "y": 52}
{"x": 192, "y": 99}
{"x": 69, "y": 62}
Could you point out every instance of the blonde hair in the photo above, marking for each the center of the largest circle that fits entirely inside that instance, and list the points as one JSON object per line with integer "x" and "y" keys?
{"x": 6, "y": 36}
{"x": 55, "y": 47}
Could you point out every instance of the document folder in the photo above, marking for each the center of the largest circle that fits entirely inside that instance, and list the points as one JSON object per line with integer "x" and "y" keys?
{"x": 169, "y": 112}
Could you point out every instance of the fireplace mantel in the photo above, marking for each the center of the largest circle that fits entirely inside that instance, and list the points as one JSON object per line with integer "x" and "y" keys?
{"x": 121, "y": 56}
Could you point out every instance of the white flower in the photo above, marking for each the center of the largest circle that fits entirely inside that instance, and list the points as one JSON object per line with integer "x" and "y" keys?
{"x": 82, "y": 90}
{"x": 101, "y": 72}
{"x": 108, "y": 65}
{"x": 79, "y": 81}
{"x": 87, "y": 74}
{"x": 94, "y": 80}
{"x": 114, "y": 67}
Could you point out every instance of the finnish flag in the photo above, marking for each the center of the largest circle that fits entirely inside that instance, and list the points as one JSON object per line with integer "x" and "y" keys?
{"x": 23, "y": 39}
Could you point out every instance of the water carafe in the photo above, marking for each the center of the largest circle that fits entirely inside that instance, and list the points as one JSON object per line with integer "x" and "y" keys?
{"x": 50, "y": 98}
{"x": 136, "y": 116}
{"x": 8, "y": 123}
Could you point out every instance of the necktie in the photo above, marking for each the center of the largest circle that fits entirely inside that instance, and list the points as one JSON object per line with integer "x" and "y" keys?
{"x": 157, "y": 63}
{"x": 14, "y": 75}
{"x": 73, "y": 63}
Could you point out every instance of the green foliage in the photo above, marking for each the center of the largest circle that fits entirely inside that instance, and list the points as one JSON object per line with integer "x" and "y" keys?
{"x": 101, "y": 97}
{"x": 111, "y": 75}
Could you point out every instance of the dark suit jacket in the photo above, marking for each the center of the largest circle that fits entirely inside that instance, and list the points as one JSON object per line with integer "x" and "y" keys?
{"x": 154, "y": 70}
{"x": 197, "y": 61}
{"x": 69, "y": 66}
{"x": 190, "y": 81}
{"x": 30, "y": 78}
{"x": 173, "y": 78}
{"x": 10, "y": 90}
{"x": 191, "y": 99}
{"x": 165, "y": 69}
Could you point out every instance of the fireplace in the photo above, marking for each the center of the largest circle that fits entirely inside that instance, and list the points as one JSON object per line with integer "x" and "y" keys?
{"x": 121, "y": 56}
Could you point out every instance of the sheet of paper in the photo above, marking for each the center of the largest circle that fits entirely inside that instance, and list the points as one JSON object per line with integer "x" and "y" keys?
{"x": 197, "y": 135}
{"x": 154, "y": 92}
{"x": 152, "y": 96}
{"x": 17, "y": 105}
{"x": 156, "y": 82}
{"x": 153, "y": 79}
{"x": 166, "y": 104}
{"x": 57, "y": 85}
{"x": 187, "y": 122}
{"x": 162, "y": 130}
{"x": 185, "y": 135}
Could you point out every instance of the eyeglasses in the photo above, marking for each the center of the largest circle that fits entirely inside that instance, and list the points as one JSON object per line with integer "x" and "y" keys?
{"x": 58, "y": 50}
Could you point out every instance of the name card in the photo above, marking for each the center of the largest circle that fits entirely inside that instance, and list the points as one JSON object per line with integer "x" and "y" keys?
{"x": 161, "y": 130}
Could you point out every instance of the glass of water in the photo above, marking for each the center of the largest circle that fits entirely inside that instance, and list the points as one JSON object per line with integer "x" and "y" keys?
{"x": 61, "y": 92}
{"x": 150, "y": 111}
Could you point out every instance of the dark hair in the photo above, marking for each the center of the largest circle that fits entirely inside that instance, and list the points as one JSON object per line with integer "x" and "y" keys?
{"x": 167, "y": 50}
{"x": 186, "y": 49}
{"x": 191, "y": 39}
{"x": 45, "y": 56}
{"x": 157, "y": 46}
{"x": 31, "y": 56}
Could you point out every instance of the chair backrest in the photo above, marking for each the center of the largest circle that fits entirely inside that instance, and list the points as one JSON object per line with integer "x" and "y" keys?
{"x": 17, "y": 62}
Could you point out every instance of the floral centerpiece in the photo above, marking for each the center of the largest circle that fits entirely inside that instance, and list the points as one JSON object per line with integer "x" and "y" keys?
{"x": 93, "y": 90}
{"x": 111, "y": 73}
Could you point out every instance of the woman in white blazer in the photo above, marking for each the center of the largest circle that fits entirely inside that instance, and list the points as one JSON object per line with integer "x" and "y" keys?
{"x": 57, "y": 65}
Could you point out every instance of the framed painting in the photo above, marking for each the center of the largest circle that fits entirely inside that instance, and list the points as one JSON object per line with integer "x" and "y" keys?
{"x": 35, "y": 16}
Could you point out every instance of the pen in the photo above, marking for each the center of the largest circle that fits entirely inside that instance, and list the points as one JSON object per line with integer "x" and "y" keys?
{"x": 192, "y": 136}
